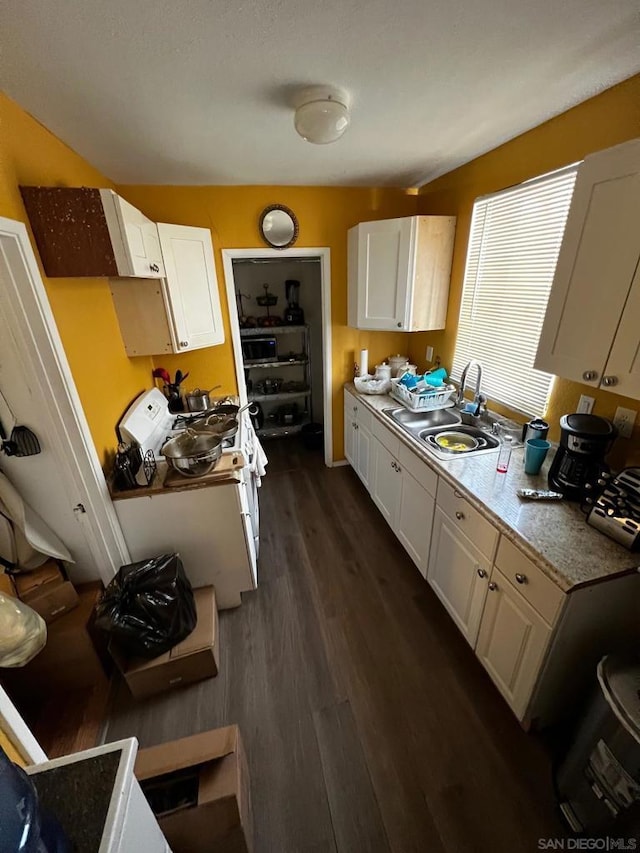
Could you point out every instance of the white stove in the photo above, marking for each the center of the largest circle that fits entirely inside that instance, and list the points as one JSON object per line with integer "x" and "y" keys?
{"x": 149, "y": 423}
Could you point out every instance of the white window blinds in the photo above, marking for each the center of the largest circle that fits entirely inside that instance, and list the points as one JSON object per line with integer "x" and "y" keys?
{"x": 511, "y": 259}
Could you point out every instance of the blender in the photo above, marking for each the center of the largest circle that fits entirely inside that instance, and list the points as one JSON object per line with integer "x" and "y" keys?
{"x": 294, "y": 315}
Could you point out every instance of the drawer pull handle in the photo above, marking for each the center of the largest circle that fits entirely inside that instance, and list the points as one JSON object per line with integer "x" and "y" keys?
{"x": 481, "y": 573}
{"x": 457, "y": 493}
{"x": 493, "y": 586}
{"x": 521, "y": 578}
{"x": 459, "y": 515}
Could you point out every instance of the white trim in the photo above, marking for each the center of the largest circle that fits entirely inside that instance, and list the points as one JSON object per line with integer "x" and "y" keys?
{"x": 20, "y": 735}
{"x": 41, "y": 351}
{"x": 324, "y": 256}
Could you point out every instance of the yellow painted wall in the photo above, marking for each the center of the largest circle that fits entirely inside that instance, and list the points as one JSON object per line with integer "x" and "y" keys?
{"x": 106, "y": 379}
{"x": 325, "y": 214}
{"x": 603, "y": 121}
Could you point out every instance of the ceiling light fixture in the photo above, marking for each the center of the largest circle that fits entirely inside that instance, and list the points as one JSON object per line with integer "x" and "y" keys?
{"x": 322, "y": 114}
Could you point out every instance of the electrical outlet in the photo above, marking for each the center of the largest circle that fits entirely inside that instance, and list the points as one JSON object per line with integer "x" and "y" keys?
{"x": 585, "y": 404}
{"x": 429, "y": 355}
{"x": 624, "y": 420}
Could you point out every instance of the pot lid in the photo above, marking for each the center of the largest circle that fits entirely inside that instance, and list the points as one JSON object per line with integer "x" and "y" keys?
{"x": 587, "y": 425}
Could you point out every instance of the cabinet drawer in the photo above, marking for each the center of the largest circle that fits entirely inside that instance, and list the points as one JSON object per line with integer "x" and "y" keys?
{"x": 418, "y": 469}
{"x": 364, "y": 417}
{"x": 350, "y": 401}
{"x": 539, "y": 590}
{"x": 480, "y": 531}
{"x": 386, "y": 437}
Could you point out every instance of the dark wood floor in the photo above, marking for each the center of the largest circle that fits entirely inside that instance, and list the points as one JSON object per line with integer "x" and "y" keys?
{"x": 368, "y": 722}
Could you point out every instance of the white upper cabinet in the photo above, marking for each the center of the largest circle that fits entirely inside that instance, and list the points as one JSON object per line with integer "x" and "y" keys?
{"x": 134, "y": 238}
{"x": 399, "y": 271}
{"x": 192, "y": 286}
{"x": 590, "y": 331}
{"x": 182, "y": 311}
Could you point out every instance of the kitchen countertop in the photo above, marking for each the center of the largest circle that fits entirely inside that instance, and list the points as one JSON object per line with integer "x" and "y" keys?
{"x": 157, "y": 485}
{"x": 553, "y": 534}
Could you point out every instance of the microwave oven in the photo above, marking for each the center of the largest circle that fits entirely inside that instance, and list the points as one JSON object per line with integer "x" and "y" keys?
{"x": 259, "y": 350}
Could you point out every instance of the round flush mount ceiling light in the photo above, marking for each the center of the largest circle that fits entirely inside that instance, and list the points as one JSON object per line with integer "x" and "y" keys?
{"x": 322, "y": 114}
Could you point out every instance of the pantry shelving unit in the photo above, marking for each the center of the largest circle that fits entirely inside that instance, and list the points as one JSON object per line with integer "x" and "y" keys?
{"x": 301, "y": 359}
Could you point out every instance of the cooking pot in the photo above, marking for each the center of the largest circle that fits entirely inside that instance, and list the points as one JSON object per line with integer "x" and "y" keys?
{"x": 199, "y": 401}
{"x": 193, "y": 454}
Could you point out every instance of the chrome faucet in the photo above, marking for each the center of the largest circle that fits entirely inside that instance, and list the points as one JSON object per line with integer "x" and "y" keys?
{"x": 478, "y": 398}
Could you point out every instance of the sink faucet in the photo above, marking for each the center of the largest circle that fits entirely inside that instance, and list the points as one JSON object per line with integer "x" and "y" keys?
{"x": 478, "y": 398}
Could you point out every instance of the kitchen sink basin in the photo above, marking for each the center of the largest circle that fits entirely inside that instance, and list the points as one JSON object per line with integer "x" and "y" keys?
{"x": 426, "y": 426}
{"x": 487, "y": 442}
{"x": 414, "y": 422}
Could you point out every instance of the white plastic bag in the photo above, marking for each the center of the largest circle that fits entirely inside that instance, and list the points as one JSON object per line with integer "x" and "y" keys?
{"x": 23, "y": 632}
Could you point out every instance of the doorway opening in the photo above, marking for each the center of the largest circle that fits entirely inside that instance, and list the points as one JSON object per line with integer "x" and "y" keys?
{"x": 280, "y": 310}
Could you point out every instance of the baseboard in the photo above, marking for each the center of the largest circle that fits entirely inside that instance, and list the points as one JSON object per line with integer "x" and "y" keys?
{"x": 339, "y": 464}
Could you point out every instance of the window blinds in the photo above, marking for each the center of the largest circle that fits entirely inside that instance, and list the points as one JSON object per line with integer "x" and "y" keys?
{"x": 511, "y": 259}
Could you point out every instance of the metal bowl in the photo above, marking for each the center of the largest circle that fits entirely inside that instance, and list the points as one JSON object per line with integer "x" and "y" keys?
{"x": 453, "y": 441}
{"x": 193, "y": 454}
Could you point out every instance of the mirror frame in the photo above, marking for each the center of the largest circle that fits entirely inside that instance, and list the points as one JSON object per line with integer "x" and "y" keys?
{"x": 290, "y": 213}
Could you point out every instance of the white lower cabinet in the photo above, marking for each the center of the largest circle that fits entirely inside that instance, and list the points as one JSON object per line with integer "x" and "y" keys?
{"x": 512, "y": 641}
{"x": 458, "y": 573}
{"x": 349, "y": 431}
{"x": 415, "y": 520}
{"x": 387, "y": 483}
{"x": 364, "y": 443}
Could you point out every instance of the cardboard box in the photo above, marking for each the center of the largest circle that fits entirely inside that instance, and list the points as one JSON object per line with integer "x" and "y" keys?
{"x": 198, "y": 788}
{"x": 47, "y": 591}
{"x": 194, "y": 659}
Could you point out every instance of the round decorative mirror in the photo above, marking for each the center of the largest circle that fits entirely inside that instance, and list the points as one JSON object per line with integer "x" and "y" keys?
{"x": 278, "y": 226}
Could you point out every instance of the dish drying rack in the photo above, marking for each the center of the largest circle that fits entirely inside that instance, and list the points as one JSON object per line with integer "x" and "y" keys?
{"x": 425, "y": 401}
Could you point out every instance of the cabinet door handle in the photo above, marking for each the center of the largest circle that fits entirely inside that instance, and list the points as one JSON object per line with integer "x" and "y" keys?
{"x": 459, "y": 515}
{"x": 457, "y": 493}
{"x": 355, "y": 408}
{"x": 399, "y": 325}
{"x": 521, "y": 578}
{"x": 154, "y": 268}
{"x": 609, "y": 381}
{"x": 481, "y": 572}
{"x": 355, "y": 426}
{"x": 184, "y": 344}
{"x": 398, "y": 469}
{"x": 493, "y": 586}
{"x": 589, "y": 375}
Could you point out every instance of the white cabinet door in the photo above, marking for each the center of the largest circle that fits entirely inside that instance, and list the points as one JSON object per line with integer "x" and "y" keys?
{"x": 350, "y": 435}
{"x": 387, "y": 483}
{"x": 458, "y": 574}
{"x": 192, "y": 287}
{"x": 363, "y": 442}
{"x": 382, "y": 273}
{"x": 623, "y": 365}
{"x": 512, "y": 641}
{"x": 415, "y": 520}
{"x": 595, "y": 269}
{"x": 135, "y": 239}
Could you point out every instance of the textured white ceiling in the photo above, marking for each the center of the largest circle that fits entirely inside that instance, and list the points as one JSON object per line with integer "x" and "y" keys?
{"x": 198, "y": 91}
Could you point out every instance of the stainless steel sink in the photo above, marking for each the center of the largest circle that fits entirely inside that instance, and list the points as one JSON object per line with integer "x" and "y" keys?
{"x": 425, "y": 426}
{"x": 414, "y": 422}
{"x": 487, "y": 441}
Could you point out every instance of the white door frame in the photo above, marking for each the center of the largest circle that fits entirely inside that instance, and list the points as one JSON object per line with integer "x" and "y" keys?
{"x": 324, "y": 256}
{"x": 40, "y": 349}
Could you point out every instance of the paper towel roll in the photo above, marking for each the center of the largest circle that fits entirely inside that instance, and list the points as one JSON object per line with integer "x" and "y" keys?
{"x": 364, "y": 362}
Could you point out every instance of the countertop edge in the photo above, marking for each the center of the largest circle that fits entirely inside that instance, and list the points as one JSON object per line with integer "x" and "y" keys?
{"x": 549, "y": 569}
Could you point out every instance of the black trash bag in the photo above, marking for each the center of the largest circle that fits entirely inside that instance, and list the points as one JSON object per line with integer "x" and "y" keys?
{"x": 148, "y": 607}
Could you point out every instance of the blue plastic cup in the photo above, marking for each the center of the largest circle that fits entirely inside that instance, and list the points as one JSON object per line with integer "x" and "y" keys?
{"x": 535, "y": 452}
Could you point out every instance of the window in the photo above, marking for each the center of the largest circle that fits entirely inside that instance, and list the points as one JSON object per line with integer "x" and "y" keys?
{"x": 511, "y": 259}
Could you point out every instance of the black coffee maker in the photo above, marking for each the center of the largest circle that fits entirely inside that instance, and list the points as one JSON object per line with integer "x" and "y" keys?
{"x": 294, "y": 315}
{"x": 584, "y": 442}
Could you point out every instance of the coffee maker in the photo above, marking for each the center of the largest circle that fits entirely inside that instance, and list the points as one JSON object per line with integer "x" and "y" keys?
{"x": 584, "y": 442}
{"x": 294, "y": 315}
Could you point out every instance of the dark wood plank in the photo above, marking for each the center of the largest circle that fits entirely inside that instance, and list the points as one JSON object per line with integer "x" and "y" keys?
{"x": 355, "y": 691}
{"x": 357, "y": 823}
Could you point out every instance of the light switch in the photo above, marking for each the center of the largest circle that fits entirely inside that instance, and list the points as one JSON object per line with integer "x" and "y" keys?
{"x": 585, "y": 405}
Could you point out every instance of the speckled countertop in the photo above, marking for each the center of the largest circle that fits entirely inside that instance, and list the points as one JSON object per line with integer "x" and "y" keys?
{"x": 553, "y": 534}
